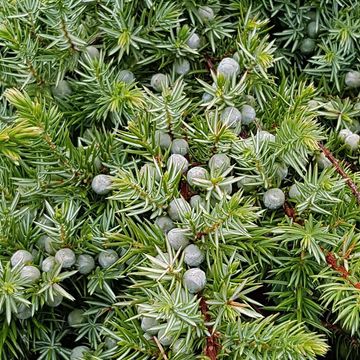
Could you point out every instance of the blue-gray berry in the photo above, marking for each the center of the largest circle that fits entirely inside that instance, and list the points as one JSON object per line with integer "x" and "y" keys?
{"x": 178, "y": 208}
{"x": 101, "y": 184}
{"x": 163, "y": 139}
{"x": 248, "y": 114}
{"x": 78, "y": 352}
{"x": 108, "y": 258}
{"x": 110, "y": 343}
{"x": 151, "y": 170}
{"x": 193, "y": 256}
{"x": 158, "y": 82}
{"x": 352, "y": 79}
{"x": 197, "y": 201}
{"x": 165, "y": 340}
{"x": 294, "y": 192}
{"x": 85, "y": 264}
{"x": 194, "y": 280}
{"x": 195, "y": 173}
{"x": 228, "y": 67}
{"x": 179, "y": 346}
{"x": 180, "y": 146}
{"x": 62, "y": 89}
{"x": 56, "y": 301}
{"x": 164, "y": 223}
{"x": 231, "y": 116}
{"x": 312, "y": 29}
{"x": 182, "y": 66}
{"x": 266, "y": 136}
{"x": 323, "y": 162}
{"x": 66, "y": 257}
{"x": 147, "y": 323}
{"x": 219, "y": 163}
{"x": 307, "y": 46}
{"x": 23, "y": 312}
{"x": 48, "y": 264}
{"x": 30, "y": 273}
{"x": 126, "y": 76}
{"x": 21, "y": 257}
{"x": 178, "y": 238}
{"x": 92, "y": 52}
{"x": 206, "y": 13}
{"x": 274, "y": 198}
{"x": 178, "y": 162}
{"x": 282, "y": 171}
{"x": 194, "y": 41}
{"x": 247, "y": 183}
{"x": 75, "y": 317}
{"x": 344, "y": 133}
{"x": 352, "y": 141}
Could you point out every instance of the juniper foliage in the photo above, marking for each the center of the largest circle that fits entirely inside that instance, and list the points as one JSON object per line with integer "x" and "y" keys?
{"x": 77, "y": 101}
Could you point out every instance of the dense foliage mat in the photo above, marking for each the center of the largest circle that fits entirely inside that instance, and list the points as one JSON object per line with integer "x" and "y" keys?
{"x": 179, "y": 179}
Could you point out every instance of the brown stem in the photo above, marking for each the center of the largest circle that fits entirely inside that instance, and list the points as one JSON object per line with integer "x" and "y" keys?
{"x": 212, "y": 345}
{"x": 162, "y": 351}
{"x": 341, "y": 171}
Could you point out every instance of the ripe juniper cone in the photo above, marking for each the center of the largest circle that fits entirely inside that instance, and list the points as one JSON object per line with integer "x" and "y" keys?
{"x": 228, "y": 67}
{"x": 164, "y": 339}
{"x": 178, "y": 162}
{"x": 62, "y": 89}
{"x": 195, "y": 173}
{"x": 101, "y": 184}
{"x": 21, "y": 257}
{"x": 108, "y": 258}
{"x": 196, "y": 201}
{"x": 158, "y": 82}
{"x": 164, "y": 223}
{"x": 322, "y": 161}
{"x": 248, "y": 114}
{"x": 206, "y": 13}
{"x": 75, "y": 317}
{"x": 126, "y": 76}
{"x": 48, "y": 264}
{"x": 352, "y": 79}
{"x": 55, "y": 301}
{"x": 231, "y": 116}
{"x": 274, "y": 198}
{"x": 151, "y": 170}
{"x": 85, "y": 264}
{"x": 179, "y": 146}
{"x": 193, "y": 256}
{"x": 182, "y": 67}
{"x": 219, "y": 163}
{"x": 352, "y": 141}
{"x": 194, "y": 41}
{"x": 78, "y": 352}
{"x": 178, "y": 238}
{"x": 307, "y": 46}
{"x": 110, "y": 343}
{"x": 30, "y": 273}
{"x": 23, "y": 312}
{"x": 294, "y": 191}
{"x": 344, "y": 133}
{"x": 178, "y": 208}
{"x": 162, "y": 139}
{"x": 65, "y": 257}
{"x": 92, "y": 52}
{"x": 147, "y": 323}
{"x": 194, "y": 280}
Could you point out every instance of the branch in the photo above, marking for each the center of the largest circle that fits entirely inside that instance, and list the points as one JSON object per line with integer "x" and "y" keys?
{"x": 162, "y": 351}
{"x": 340, "y": 171}
{"x": 212, "y": 346}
